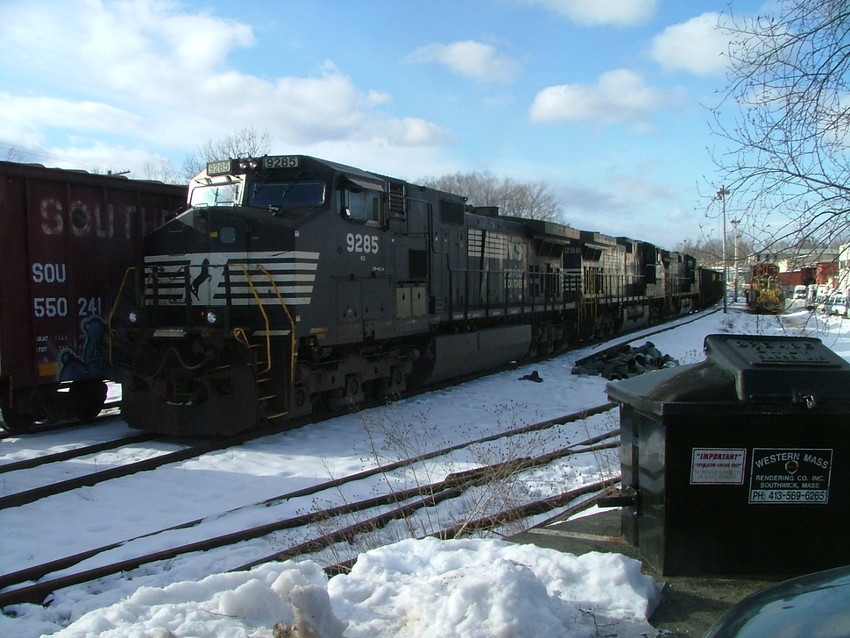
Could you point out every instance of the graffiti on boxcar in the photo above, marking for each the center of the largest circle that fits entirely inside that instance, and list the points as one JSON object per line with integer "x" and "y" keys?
{"x": 94, "y": 362}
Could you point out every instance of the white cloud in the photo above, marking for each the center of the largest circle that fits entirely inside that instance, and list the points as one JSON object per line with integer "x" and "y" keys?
{"x": 100, "y": 157}
{"x": 630, "y": 203}
{"x": 143, "y": 47}
{"x": 601, "y": 12}
{"x": 697, "y": 46}
{"x": 619, "y": 96}
{"x": 469, "y": 59}
{"x": 23, "y": 117}
{"x": 154, "y": 74}
{"x": 411, "y": 131}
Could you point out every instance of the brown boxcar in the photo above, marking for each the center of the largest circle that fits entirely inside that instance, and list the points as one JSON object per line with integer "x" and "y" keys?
{"x": 66, "y": 240}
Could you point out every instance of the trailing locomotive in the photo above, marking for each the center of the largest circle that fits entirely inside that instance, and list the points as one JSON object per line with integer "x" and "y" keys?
{"x": 293, "y": 284}
{"x": 67, "y": 237}
{"x": 765, "y": 295}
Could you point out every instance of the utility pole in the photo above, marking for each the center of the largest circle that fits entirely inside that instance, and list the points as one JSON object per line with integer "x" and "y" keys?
{"x": 721, "y": 195}
{"x": 735, "y": 223}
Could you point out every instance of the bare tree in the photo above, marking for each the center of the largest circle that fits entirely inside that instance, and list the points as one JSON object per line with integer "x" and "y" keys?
{"x": 164, "y": 171}
{"x": 246, "y": 142}
{"x": 532, "y": 200}
{"x": 14, "y": 155}
{"x": 709, "y": 249}
{"x": 788, "y": 167}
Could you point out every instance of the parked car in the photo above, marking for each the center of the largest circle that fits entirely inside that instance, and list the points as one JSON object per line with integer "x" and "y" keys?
{"x": 835, "y": 304}
{"x": 812, "y": 606}
{"x": 820, "y": 297}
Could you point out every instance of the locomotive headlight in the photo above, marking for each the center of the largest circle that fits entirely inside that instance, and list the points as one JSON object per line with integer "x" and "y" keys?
{"x": 211, "y": 317}
{"x": 133, "y": 317}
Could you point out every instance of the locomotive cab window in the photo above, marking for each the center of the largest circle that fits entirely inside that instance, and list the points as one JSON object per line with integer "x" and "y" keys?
{"x": 223, "y": 194}
{"x": 286, "y": 194}
{"x": 360, "y": 204}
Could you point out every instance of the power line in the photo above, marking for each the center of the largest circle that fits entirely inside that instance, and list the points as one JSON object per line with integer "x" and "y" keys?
{"x": 11, "y": 150}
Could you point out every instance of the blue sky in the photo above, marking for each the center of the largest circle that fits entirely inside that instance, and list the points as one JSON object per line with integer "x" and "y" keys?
{"x": 605, "y": 100}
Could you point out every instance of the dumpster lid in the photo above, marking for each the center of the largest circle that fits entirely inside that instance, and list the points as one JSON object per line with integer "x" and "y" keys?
{"x": 682, "y": 388}
{"x": 743, "y": 369}
{"x": 781, "y": 368}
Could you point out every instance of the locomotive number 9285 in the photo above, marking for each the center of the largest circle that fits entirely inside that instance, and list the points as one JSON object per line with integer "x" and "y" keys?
{"x": 357, "y": 243}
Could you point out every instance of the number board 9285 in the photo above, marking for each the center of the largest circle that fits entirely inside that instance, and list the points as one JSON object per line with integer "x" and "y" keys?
{"x": 361, "y": 243}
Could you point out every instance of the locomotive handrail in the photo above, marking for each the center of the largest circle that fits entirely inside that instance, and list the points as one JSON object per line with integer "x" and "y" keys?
{"x": 291, "y": 322}
{"x": 262, "y": 311}
{"x": 551, "y": 287}
{"x": 112, "y": 312}
{"x": 187, "y": 293}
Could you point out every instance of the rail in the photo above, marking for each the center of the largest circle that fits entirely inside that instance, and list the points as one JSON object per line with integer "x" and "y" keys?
{"x": 451, "y": 486}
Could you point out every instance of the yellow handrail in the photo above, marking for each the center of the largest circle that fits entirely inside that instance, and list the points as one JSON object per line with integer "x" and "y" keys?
{"x": 291, "y": 322}
{"x": 112, "y": 311}
{"x": 236, "y": 331}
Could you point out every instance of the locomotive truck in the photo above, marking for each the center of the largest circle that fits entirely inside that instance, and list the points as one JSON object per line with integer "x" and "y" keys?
{"x": 293, "y": 284}
{"x": 67, "y": 238}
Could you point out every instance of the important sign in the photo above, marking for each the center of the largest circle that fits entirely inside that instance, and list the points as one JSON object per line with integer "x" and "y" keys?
{"x": 790, "y": 476}
{"x": 718, "y": 466}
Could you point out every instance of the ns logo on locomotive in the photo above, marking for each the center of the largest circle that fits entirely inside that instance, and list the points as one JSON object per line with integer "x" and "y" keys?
{"x": 293, "y": 284}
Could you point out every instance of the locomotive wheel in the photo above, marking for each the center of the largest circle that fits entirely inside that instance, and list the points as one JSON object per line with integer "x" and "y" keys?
{"x": 386, "y": 387}
{"x": 87, "y": 399}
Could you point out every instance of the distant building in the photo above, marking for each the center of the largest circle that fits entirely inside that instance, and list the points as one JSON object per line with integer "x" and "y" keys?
{"x": 797, "y": 267}
{"x": 805, "y": 266}
{"x": 791, "y": 259}
{"x": 844, "y": 266}
{"x": 802, "y": 277}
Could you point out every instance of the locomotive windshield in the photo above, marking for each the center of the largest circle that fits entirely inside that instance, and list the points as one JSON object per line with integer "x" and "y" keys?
{"x": 286, "y": 194}
{"x": 223, "y": 194}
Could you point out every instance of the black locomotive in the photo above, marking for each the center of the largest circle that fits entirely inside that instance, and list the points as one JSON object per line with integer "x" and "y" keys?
{"x": 293, "y": 284}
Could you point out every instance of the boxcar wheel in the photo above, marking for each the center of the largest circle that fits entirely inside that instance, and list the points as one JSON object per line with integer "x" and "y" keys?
{"x": 87, "y": 399}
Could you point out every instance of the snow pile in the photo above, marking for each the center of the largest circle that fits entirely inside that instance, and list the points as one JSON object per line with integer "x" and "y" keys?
{"x": 421, "y": 588}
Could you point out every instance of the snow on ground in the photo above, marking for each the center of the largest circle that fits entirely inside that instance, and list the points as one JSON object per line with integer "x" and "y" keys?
{"x": 416, "y": 588}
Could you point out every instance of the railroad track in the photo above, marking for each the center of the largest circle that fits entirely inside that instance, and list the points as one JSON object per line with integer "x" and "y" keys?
{"x": 35, "y": 584}
{"x": 47, "y": 580}
{"x": 110, "y": 410}
{"x": 183, "y": 452}
{"x": 646, "y": 333}
{"x": 75, "y": 453}
{"x": 186, "y": 451}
